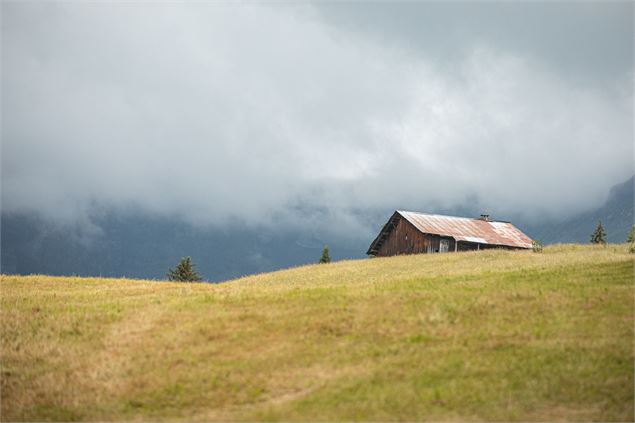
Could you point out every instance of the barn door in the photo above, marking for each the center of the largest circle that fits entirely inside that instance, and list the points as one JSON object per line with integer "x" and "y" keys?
{"x": 444, "y": 246}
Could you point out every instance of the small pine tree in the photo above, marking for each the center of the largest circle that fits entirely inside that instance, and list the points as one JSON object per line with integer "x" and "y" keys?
{"x": 631, "y": 235}
{"x": 184, "y": 272}
{"x": 598, "y": 236}
{"x": 326, "y": 258}
{"x": 536, "y": 246}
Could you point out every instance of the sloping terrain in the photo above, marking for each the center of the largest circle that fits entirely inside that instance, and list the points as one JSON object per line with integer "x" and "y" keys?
{"x": 616, "y": 215}
{"x": 490, "y": 335}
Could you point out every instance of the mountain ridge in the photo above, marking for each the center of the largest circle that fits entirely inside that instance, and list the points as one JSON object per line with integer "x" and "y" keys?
{"x": 145, "y": 247}
{"x": 616, "y": 215}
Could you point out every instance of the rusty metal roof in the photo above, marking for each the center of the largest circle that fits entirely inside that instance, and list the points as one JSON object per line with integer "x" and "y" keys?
{"x": 462, "y": 229}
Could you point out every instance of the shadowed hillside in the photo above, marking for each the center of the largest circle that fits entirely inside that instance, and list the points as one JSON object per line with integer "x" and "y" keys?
{"x": 493, "y": 335}
{"x": 616, "y": 215}
{"x": 145, "y": 247}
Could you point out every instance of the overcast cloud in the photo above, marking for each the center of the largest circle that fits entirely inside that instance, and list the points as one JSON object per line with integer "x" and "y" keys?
{"x": 254, "y": 112}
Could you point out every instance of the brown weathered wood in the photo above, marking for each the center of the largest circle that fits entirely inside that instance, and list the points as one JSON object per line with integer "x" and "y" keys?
{"x": 404, "y": 238}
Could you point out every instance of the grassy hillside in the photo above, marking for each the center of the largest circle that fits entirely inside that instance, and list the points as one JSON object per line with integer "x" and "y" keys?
{"x": 490, "y": 335}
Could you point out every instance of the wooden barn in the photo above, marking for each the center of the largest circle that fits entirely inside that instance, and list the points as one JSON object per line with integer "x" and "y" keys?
{"x": 415, "y": 233}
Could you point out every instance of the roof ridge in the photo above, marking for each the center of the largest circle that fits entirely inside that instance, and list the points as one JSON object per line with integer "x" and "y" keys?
{"x": 453, "y": 217}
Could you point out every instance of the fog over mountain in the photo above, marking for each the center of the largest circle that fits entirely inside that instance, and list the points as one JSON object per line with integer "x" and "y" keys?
{"x": 145, "y": 247}
{"x": 306, "y": 123}
{"x": 616, "y": 215}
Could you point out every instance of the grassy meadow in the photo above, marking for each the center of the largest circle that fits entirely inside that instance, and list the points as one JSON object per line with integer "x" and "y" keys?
{"x": 489, "y": 335}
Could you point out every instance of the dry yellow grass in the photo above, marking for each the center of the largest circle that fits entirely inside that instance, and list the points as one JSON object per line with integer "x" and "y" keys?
{"x": 493, "y": 335}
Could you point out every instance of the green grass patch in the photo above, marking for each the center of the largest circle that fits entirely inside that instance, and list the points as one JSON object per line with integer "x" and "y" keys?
{"x": 493, "y": 335}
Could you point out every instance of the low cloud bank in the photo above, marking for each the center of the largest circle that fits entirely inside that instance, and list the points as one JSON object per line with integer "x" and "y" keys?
{"x": 267, "y": 116}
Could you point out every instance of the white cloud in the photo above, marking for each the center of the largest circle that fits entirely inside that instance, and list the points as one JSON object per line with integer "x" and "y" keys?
{"x": 216, "y": 112}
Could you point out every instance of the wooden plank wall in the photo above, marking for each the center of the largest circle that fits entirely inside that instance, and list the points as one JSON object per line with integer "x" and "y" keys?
{"x": 406, "y": 239}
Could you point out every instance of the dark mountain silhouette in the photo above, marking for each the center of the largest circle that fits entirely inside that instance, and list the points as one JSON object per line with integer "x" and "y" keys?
{"x": 616, "y": 215}
{"x": 146, "y": 247}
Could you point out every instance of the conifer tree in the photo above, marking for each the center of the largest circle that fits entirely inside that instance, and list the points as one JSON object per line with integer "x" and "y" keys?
{"x": 326, "y": 258}
{"x": 598, "y": 236}
{"x": 631, "y": 235}
{"x": 184, "y": 272}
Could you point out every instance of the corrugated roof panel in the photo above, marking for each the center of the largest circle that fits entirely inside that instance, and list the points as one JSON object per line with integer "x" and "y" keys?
{"x": 471, "y": 239}
{"x": 467, "y": 229}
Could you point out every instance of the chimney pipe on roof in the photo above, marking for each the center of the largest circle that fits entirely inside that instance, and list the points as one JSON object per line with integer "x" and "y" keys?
{"x": 485, "y": 217}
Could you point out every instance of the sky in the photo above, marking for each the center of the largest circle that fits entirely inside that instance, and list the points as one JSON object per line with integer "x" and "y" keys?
{"x": 272, "y": 114}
